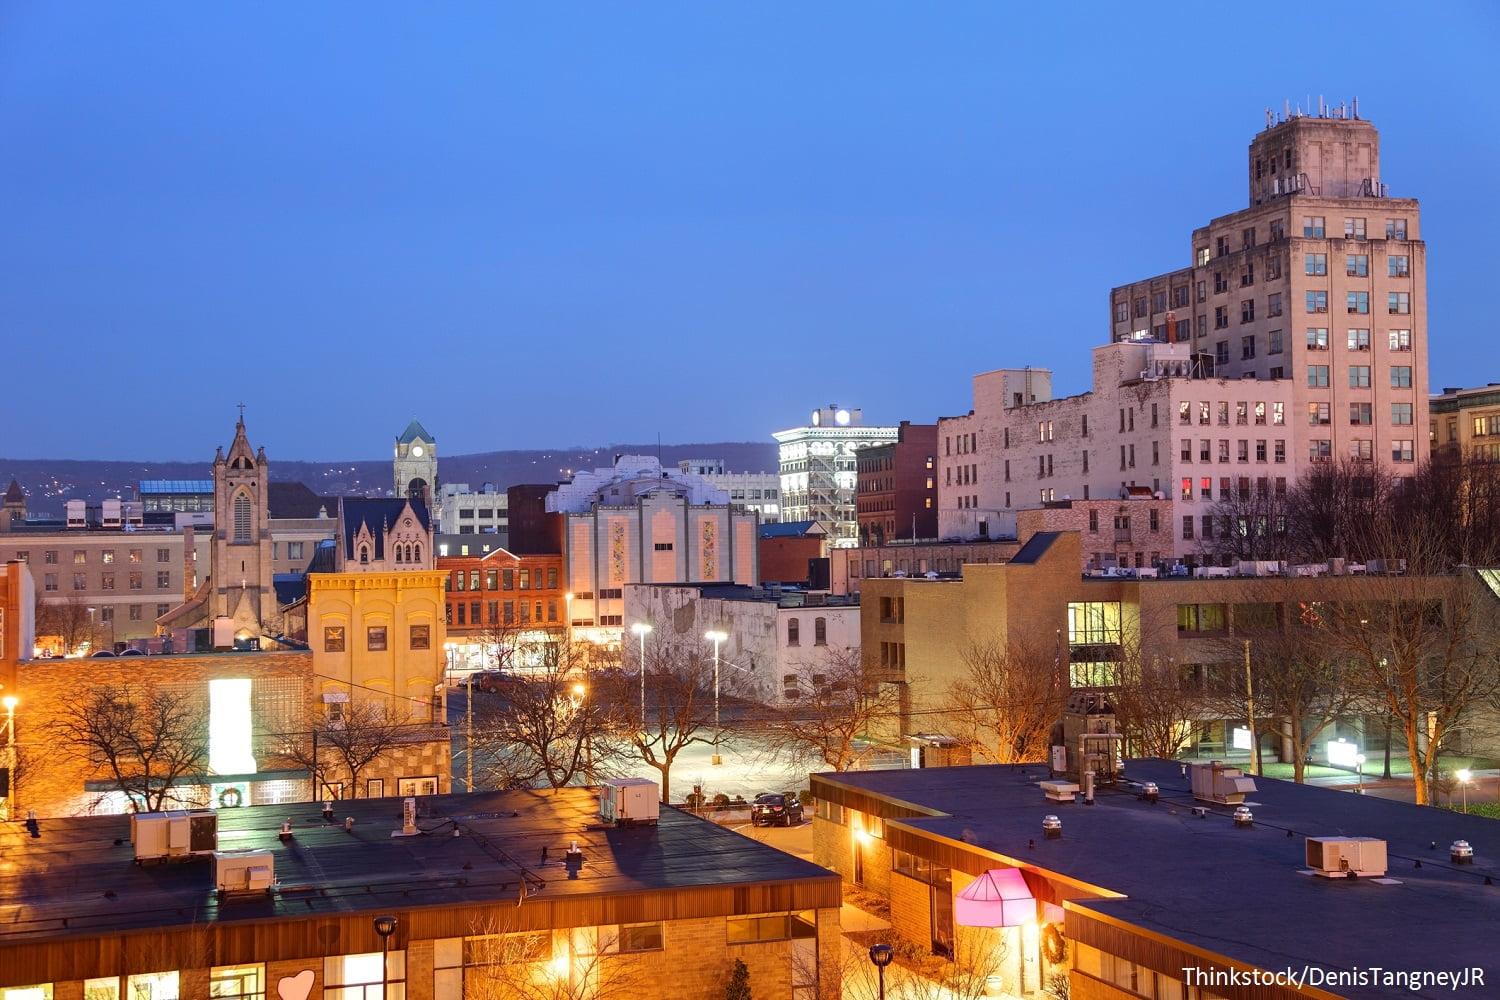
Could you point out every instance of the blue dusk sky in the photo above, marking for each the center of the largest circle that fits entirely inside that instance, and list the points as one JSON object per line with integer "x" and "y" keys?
{"x": 573, "y": 223}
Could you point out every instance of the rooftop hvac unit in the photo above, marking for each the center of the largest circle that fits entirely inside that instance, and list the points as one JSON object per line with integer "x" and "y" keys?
{"x": 240, "y": 873}
{"x": 1346, "y": 857}
{"x": 629, "y": 800}
{"x": 1216, "y": 782}
{"x": 167, "y": 836}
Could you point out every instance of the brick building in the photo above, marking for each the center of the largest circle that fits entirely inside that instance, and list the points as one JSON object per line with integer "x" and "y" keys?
{"x": 501, "y": 607}
{"x": 1466, "y": 422}
{"x": 896, "y": 487}
{"x": 486, "y": 901}
{"x": 788, "y": 550}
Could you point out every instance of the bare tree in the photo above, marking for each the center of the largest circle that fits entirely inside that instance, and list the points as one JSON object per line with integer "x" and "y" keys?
{"x": 1301, "y": 684}
{"x": 149, "y": 742}
{"x": 1424, "y": 646}
{"x": 980, "y": 955}
{"x": 1005, "y": 704}
{"x": 1155, "y": 703}
{"x": 678, "y": 708}
{"x": 552, "y": 727}
{"x": 347, "y": 747}
{"x": 1251, "y": 522}
{"x": 838, "y": 706}
{"x": 71, "y": 620}
{"x": 504, "y": 962}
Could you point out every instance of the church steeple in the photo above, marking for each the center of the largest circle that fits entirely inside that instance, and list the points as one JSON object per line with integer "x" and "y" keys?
{"x": 241, "y": 455}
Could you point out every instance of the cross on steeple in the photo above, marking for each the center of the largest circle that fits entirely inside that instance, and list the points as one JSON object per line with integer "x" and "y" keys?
{"x": 242, "y": 412}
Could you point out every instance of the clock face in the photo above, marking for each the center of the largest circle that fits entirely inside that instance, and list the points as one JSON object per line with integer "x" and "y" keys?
{"x": 418, "y": 450}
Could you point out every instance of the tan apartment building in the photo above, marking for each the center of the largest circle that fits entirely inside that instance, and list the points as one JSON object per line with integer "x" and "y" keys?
{"x": 1466, "y": 422}
{"x": 1156, "y": 423}
{"x": 1321, "y": 281}
{"x": 492, "y": 894}
{"x": 915, "y": 631}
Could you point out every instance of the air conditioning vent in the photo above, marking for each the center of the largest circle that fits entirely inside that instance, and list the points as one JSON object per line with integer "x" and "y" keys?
{"x": 244, "y": 873}
{"x": 173, "y": 836}
{"x": 1346, "y": 857}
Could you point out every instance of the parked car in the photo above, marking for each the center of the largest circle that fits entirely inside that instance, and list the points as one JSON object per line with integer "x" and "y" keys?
{"x": 776, "y": 809}
{"x": 492, "y": 680}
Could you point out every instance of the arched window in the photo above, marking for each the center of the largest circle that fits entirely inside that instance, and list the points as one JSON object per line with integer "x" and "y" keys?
{"x": 793, "y": 632}
{"x": 820, "y": 631}
{"x": 398, "y": 555}
{"x": 364, "y": 555}
{"x": 419, "y": 553}
{"x": 242, "y": 519}
{"x": 408, "y": 554}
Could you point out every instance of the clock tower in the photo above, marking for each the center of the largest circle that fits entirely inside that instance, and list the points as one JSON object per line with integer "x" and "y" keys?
{"x": 415, "y": 465}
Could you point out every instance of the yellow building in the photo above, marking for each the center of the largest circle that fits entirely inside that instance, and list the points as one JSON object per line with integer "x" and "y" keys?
{"x": 1466, "y": 422}
{"x": 377, "y": 637}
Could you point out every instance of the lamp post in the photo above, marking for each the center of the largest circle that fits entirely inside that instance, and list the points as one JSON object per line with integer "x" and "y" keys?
{"x": 1464, "y": 775}
{"x": 881, "y": 955}
{"x": 385, "y": 926}
{"x": 568, "y": 611}
{"x": 1359, "y": 762}
{"x": 716, "y": 637}
{"x": 10, "y": 752}
{"x": 641, "y": 630}
{"x": 469, "y": 731}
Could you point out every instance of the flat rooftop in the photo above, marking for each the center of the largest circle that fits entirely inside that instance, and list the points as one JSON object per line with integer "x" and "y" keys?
{"x": 80, "y": 879}
{"x": 1237, "y": 892}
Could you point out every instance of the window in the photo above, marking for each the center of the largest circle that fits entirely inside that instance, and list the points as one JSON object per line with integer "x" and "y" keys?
{"x": 1359, "y": 376}
{"x": 1274, "y": 339}
{"x": 1312, "y": 226}
{"x": 1402, "y": 451}
{"x": 1401, "y": 414}
{"x": 659, "y": 547}
{"x": 1260, "y": 450}
{"x": 1398, "y": 303}
{"x": 793, "y": 632}
{"x": 101, "y": 989}
{"x": 50, "y": 557}
{"x": 1221, "y": 317}
{"x": 1317, "y": 376}
{"x": 106, "y": 581}
{"x": 1315, "y": 264}
{"x": 1247, "y": 275}
{"x": 241, "y": 519}
{"x": 359, "y": 977}
{"x": 1398, "y": 266}
{"x": 1094, "y": 623}
{"x": 152, "y": 986}
{"x": 1400, "y": 377}
{"x": 1320, "y": 451}
{"x": 135, "y": 555}
{"x": 238, "y": 982}
{"x": 293, "y": 551}
{"x": 1360, "y": 414}
{"x": 80, "y": 581}
{"x": 375, "y": 638}
{"x": 1187, "y": 527}
{"x": 421, "y": 635}
{"x": 1317, "y": 302}
{"x": 1247, "y": 349}
{"x": 1247, "y": 310}
{"x": 1184, "y": 412}
{"x": 136, "y": 581}
{"x": 49, "y": 582}
{"x": 1354, "y": 229}
{"x": 1273, "y": 304}
{"x": 1221, "y": 352}
{"x": 135, "y": 612}
{"x": 820, "y": 631}
{"x": 1357, "y": 265}
{"x": 1318, "y": 414}
{"x": 1362, "y": 450}
{"x": 1400, "y": 340}
{"x": 1223, "y": 450}
{"x": 163, "y": 580}
{"x": 1278, "y": 230}
{"x": 41, "y": 992}
{"x": 1201, "y": 618}
{"x": 640, "y": 937}
{"x": 1395, "y": 229}
{"x": 773, "y": 927}
{"x": 1359, "y": 340}
{"x": 1357, "y": 302}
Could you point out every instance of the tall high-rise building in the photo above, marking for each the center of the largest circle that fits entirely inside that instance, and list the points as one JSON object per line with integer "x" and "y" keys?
{"x": 818, "y": 470}
{"x": 1321, "y": 280}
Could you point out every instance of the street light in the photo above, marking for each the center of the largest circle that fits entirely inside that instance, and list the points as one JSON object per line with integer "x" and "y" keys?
{"x": 881, "y": 955}
{"x": 1464, "y": 775}
{"x": 568, "y": 610}
{"x": 1359, "y": 762}
{"x": 385, "y": 926}
{"x": 641, "y": 630}
{"x": 717, "y": 638}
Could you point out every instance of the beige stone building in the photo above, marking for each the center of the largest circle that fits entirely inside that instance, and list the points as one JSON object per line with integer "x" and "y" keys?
{"x": 1321, "y": 281}
{"x": 1155, "y": 423}
{"x": 1466, "y": 422}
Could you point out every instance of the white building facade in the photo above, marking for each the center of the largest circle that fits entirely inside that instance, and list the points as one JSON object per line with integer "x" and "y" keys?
{"x": 817, "y": 470}
{"x": 777, "y": 649}
{"x": 757, "y": 491}
{"x": 464, "y": 511}
{"x": 639, "y": 523}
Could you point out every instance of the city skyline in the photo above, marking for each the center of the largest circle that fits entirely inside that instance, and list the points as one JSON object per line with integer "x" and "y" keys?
{"x": 262, "y": 202}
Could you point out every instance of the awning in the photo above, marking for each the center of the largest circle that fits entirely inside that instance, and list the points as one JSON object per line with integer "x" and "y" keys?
{"x": 998, "y": 898}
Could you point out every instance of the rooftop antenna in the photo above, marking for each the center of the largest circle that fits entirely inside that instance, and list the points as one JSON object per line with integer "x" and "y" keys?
{"x": 1356, "y": 108}
{"x": 1322, "y": 107}
{"x": 1286, "y": 109}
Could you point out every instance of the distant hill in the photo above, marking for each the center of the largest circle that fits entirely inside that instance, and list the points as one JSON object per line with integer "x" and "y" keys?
{"x": 49, "y": 482}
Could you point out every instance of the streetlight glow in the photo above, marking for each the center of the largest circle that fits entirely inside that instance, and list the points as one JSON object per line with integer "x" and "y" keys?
{"x": 641, "y": 630}
{"x": 717, "y": 637}
{"x": 11, "y": 701}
